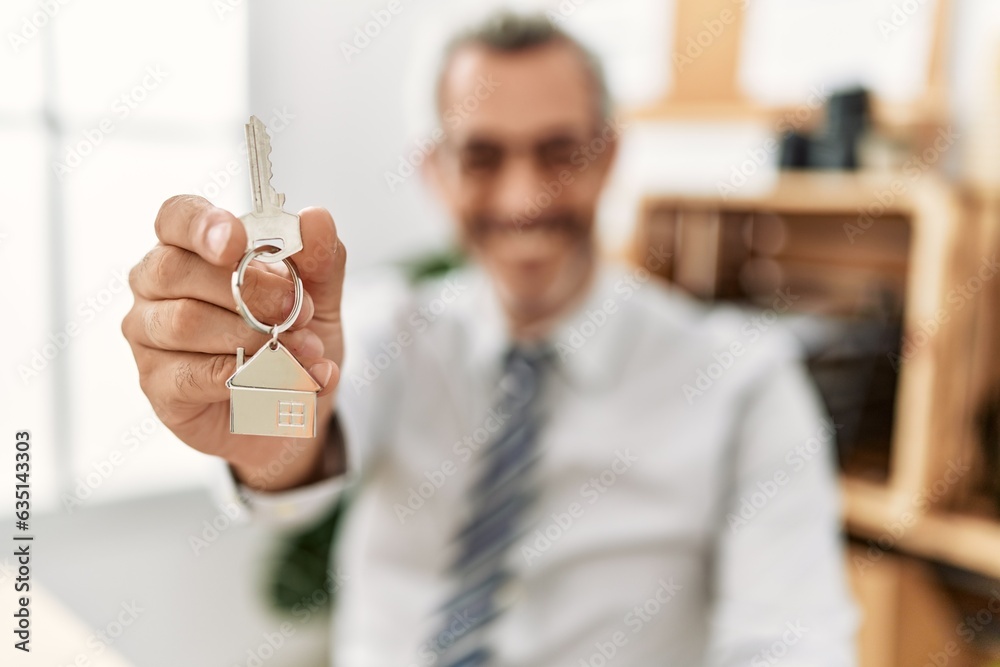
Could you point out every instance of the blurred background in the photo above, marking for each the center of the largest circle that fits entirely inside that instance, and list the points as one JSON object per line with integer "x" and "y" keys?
{"x": 847, "y": 149}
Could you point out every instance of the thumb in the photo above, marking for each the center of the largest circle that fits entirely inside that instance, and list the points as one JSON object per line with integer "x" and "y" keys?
{"x": 321, "y": 263}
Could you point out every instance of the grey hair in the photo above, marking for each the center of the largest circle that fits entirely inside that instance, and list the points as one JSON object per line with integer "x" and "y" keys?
{"x": 508, "y": 32}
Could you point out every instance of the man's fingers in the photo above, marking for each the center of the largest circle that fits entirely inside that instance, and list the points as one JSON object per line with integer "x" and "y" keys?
{"x": 169, "y": 272}
{"x": 185, "y": 379}
{"x": 193, "y": 223}
{"x": 190, "y": 325}
{"x": 326, "y": 373}
{"x": 321, "y": 263}
{"x": 179, "y": 380}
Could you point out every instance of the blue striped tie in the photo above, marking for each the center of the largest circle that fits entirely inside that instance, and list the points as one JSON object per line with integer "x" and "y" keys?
{"x": 499, "y": 498}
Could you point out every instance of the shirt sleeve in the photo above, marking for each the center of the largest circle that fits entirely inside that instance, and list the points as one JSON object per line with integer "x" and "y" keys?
{"x": 286, "y": 509}
{"x": 781, "y": 591}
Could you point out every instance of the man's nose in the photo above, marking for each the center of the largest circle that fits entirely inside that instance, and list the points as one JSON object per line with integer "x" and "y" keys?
{"x": 517, "y": 187}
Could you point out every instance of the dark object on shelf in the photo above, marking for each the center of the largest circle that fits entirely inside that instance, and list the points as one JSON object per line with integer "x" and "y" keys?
{"x": 835, "y": 146}
{"x": 988, "y": 419}
{"x": 857, "y": 380}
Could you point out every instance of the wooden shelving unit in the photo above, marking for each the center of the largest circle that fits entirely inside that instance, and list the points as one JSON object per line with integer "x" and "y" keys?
{"x": 910, "y": 612}
{"x": 914, "y": 508}
{"x": 909, "y": 236}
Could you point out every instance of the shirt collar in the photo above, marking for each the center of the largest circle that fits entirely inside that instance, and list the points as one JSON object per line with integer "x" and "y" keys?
{"x": 589, "y": 342}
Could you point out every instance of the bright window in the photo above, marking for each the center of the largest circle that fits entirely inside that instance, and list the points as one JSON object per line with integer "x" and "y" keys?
{"x": 118, "y": 106}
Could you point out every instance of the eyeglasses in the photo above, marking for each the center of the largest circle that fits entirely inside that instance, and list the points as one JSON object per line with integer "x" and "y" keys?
{"x": 482, "y": 159}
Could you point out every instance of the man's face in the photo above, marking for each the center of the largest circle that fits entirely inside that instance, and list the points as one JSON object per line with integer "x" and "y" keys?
{"x": 521, "y": 170}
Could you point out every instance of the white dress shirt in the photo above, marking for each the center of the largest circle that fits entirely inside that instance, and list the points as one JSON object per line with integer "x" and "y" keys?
{"x": 689, "y": 513}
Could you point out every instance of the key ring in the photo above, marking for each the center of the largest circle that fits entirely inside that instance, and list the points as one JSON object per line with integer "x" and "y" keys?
{"x": 241, "y": 306}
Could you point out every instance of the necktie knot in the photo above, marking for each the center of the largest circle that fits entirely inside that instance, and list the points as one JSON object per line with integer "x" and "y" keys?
{"x": 523, "y": 368}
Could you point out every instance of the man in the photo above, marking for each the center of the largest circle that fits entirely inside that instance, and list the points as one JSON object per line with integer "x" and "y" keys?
{"x": 536, "y": 482}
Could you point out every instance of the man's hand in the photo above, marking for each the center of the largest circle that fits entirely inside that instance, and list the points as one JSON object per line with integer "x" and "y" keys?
{"x": 184, "y": 330}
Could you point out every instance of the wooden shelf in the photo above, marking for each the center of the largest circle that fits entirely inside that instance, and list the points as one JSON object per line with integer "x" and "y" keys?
{"x": 734, "y": 111}
{"x": 833, "y": 191}
{"x": 874, "y": 512}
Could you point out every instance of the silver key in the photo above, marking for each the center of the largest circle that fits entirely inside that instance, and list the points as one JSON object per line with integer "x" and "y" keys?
{"x": 267, "y": 224}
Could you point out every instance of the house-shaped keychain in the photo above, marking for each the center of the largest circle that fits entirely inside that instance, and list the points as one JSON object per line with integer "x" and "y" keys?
{"x": 272, "y": 394}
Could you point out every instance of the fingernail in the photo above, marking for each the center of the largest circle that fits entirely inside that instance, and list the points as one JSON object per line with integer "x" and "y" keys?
{"x": 322, "y": 372}
{"x": 218, "y": 237}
